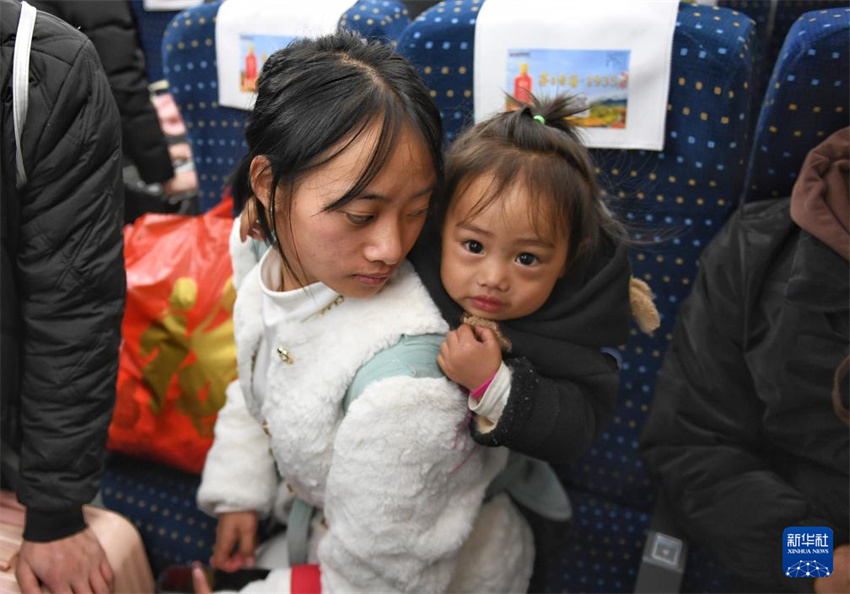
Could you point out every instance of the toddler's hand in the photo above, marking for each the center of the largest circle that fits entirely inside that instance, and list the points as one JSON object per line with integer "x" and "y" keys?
{"x": 470, "y": 356}
{"x": 235, "y": 529}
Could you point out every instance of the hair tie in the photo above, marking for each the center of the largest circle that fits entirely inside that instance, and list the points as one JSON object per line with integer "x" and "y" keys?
{"x": 540, "y": 119}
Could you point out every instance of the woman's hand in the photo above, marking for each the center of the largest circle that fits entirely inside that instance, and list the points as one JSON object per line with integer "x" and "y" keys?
{"x": 235, "y": 530}
{"x": 470, "y": 356}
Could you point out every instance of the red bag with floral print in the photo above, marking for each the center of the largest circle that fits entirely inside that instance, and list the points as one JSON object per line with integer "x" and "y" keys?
{"x": 178, "y": 353}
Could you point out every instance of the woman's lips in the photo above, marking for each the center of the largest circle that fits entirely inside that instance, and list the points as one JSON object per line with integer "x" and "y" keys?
{"x": 372, "y": 280}
{"x": 487, "y": 304}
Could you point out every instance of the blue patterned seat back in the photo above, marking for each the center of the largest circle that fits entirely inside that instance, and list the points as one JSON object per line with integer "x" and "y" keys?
{"x": 216, "y": 133}
{"x": 382, "y": 20}
{"x": 687, "y": 190}
{"x": 806, "y": 101}
{"x": 151, "y": 26}
{"x": 772, "y": 24}
{"x": 440, "y": 43}
{"x": 160, "y": 501}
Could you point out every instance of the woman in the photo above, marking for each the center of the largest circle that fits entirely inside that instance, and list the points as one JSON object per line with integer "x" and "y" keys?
{"x": 344, "y": 158}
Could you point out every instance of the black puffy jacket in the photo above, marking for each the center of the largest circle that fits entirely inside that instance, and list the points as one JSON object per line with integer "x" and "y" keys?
{"x": 110, "y": 26}
{"x": 742, "y": 431}
{"x": 62, "y": 271}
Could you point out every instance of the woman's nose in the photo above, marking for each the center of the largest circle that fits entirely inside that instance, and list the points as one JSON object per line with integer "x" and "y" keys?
{"x": 386, "y": 244}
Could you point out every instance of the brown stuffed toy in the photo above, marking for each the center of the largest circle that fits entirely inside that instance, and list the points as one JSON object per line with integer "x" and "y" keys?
{"x": 643, "y": 308}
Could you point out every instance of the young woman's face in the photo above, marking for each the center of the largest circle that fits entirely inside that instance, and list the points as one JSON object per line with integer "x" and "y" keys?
{"x": 497, "y": 265}
{"x": 355, "y": 249}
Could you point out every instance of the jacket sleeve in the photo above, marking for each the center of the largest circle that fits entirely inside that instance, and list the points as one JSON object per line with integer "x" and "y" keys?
{"x": 555, "y": 419}
{"x": 70, "y": 271}
{"x": 239, "y": 473}
{"x": 702, "y": 437}
{"x": 111, "y": 28}
{"x": 403, "y": 490}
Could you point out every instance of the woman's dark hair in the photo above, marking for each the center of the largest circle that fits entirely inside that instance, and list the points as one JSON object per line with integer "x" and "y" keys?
{"x": 316, "y": 93}
{"x": 548, "y": 158}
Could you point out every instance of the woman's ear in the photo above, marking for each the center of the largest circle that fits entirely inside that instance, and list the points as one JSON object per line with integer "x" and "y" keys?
{"x": 262, "y": 179}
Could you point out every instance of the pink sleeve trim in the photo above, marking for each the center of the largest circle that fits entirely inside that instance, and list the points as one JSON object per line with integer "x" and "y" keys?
{"x": 478, "y": 392}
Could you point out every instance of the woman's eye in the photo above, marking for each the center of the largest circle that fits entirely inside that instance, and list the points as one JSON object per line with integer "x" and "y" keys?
{"x": 473, "y": 247}
{"x": 359, "y": 219}
{"x": 527, "y": 259}
{"x": 419, "y": 213}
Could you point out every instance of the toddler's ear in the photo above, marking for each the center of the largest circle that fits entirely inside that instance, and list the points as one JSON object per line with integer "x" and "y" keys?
{"x": 643, "y": 308}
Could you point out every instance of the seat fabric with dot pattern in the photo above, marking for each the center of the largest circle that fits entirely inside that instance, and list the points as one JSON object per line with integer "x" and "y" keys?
{"x": 216, "y": 133}
{"x": 381, "y": 20}
{"x": 771, "y": 32}
{"x": 805, "y": 102}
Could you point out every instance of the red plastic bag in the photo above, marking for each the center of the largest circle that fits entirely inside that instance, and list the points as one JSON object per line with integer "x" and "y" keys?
{"x": 177, "y": 352}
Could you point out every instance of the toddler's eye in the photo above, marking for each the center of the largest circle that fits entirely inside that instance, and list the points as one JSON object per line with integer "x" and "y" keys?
{"x": 473, "y": 247}
{"x": 358, "y": 219}
{"x": 526, "y": 259}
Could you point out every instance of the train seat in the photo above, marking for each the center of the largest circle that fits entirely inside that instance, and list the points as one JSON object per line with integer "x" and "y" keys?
{"x": 382, "y": 20}
{"x": 151, "y": 26}
{"x": 805, "y": 102}
{"x": 688, "y": 190}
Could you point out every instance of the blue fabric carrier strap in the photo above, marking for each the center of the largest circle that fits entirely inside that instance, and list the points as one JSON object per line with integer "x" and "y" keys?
{"x": 413, "y": 356}
{"x": 530, "y": 482}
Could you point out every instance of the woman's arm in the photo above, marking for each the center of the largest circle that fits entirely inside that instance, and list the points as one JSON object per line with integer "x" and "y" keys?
{"x": 239, "y": 473}
{"x": 404, "y": 489}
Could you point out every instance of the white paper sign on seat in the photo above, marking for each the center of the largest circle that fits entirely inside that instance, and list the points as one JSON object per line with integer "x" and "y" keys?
{"x": 614, "y": 54}
{"x": 248, "y": 31}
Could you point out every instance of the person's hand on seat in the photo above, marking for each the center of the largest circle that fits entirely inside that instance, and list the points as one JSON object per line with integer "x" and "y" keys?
{"x": 76, "y": 564}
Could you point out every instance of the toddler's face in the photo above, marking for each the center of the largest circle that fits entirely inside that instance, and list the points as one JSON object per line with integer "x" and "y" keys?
{"x": 497, "y": 265}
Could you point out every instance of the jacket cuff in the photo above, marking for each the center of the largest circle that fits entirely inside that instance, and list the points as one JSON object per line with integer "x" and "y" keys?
{"x": 45, "y": 526}
{"x": 517, "y": 410}
{"x": 491, "y": 399}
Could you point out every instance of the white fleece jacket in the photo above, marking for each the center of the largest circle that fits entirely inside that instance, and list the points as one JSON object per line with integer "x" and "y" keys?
{"x": 400, "y": 483}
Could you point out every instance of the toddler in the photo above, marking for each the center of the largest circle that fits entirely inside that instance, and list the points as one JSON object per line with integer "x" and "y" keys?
{"x": 535, "y": 268}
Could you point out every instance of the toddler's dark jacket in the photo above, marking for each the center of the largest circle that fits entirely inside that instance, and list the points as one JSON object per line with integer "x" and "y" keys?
{"x": 564, "y": 387}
